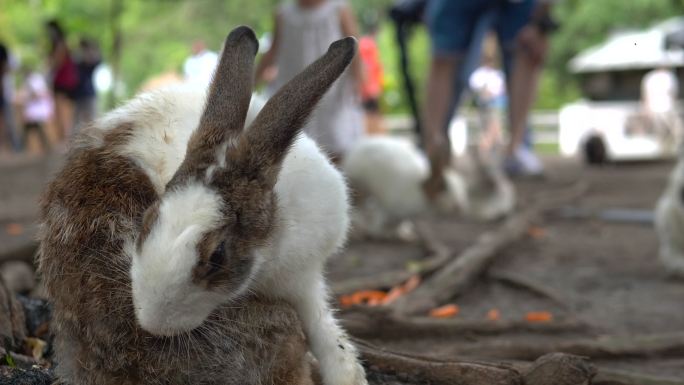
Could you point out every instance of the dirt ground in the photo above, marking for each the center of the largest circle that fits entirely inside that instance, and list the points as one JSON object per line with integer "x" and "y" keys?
{"x": 603, "y": 274}
{"x": 22, "y": 180}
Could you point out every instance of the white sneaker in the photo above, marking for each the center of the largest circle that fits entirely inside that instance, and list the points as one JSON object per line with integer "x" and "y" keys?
{"x": 523, "y": 163}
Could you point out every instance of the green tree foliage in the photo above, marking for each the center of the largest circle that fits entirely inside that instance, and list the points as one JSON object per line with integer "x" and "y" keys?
{"x": 156, "y": 34}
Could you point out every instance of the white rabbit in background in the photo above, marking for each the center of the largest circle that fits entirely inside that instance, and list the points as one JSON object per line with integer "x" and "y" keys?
{"x": 386, "y": 175}
{"x": 669, "y": 222}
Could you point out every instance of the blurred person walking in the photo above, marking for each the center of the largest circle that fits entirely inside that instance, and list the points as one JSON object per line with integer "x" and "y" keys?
{"x": 64, "y": 78}
{"x": 521, "y": 27}
{"x": 303, "y": 31}
{"x": 85, "y": 97}
{"x": 371, "y": 89}
{"x": 200, "y": 66}
{"x": 659, "y": 90}
{"x": 37, "y": 107}
{"x": 8, "y": 123}
{"x": 529, "y": 53}
{"x": 488, "y": 84}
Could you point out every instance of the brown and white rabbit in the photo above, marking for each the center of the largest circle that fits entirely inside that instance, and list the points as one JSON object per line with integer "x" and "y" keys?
{"x": 168, "y": 214}
{"x": 387, "y": 176}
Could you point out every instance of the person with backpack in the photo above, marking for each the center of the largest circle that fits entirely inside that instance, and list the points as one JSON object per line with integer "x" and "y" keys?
{"x": 64, "y": 78}
{"x": 85, "y": 96}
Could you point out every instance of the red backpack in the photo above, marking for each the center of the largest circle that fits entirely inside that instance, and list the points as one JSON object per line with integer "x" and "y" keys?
{"x": 66, "y": 77}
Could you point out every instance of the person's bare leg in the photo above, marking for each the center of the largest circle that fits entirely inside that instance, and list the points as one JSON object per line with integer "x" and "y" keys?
{"x": 63, "y": 116}
{"x": 435, "y": 115}
{"x": 523, "y": 92}
{"x": 374, "y": 125}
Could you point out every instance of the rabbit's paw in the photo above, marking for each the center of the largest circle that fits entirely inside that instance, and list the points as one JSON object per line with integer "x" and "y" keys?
{"x": 343, "y": 368}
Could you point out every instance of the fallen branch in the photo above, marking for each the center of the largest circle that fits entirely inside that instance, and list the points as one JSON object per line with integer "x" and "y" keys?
{"x": 386, "y": 367}
{"x": 618, "y": 377}
{"x": 379, "y": 281}
{"x": 382, "y": 364}
{"x": 388, "y": 279}
{"x": 524, "y": 282}
{"x": 657, "y": 345}
{"x": 560, "y": 369}
{"x": 452, "y": 279}
{"x": 430, "y": 242}
{"x": 378, "y": 323}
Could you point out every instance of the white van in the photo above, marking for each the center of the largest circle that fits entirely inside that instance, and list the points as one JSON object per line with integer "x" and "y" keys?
{"x": 605, "y": 125}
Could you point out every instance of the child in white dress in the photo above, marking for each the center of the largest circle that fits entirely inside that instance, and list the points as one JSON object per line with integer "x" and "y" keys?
{"x": 303, "y": 31}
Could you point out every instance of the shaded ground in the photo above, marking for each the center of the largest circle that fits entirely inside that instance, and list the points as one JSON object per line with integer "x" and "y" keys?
{"x": 22, "y": 179}
{"x": 604, "y": 274}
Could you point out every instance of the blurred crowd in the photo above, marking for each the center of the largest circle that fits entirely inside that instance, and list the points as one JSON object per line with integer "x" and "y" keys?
{"x": 458, "y": 30}
{"x": 50, "y": 99}
{"x": 489, "y": 52}
{"x": 303, "y": 29}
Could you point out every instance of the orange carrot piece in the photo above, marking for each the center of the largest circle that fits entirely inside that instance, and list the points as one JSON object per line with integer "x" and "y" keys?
{"x": 346, "y": 301}
{"x": 494, "y": 315}
{"x": 402, "y": 289}
{"x": 365, "y": 296}
{"x": 536, "y": 232}
{"x": 412, "y": 283}
{"x": 539, "y": 316}
{"x": 393, "y": 294}
{"x": 446, "y": 311}
{"x": 14, "y": 229}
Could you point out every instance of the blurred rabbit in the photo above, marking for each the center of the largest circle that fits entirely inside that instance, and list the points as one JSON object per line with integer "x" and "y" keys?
{"x": 669, "y": 222}
{"x": 386, "y": 175}
{"x": 491, "y": 195}
{"x": 168, "y": 216}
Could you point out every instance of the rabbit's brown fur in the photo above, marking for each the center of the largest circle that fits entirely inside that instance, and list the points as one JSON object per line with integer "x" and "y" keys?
{"x": 91, "y": 207}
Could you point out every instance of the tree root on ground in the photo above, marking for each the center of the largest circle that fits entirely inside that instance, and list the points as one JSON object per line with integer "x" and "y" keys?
{"x": 459, "y": 273}
{"x": 438, "y": 256}
{"x": 619, "y": 377}
{"x": 385, "y": 367}
{"x": 529, "y": 284}
{"x": 608, "y": 347}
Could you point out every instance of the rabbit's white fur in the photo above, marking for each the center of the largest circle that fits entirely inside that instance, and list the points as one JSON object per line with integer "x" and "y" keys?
{"x": 669, "y": 222}
{"x": 168, "y": 253}
{"x": 313, "y": 222}
{"x": 491, "y": 195}
{"x": 388, "y": 174}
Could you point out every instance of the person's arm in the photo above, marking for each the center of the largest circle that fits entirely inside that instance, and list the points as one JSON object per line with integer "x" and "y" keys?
{"x": 268, "y": 59}
{"x": 350, "y": 28}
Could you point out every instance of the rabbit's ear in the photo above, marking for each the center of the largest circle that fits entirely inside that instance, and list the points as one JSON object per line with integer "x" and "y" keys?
{"x": 227, "y": 103}
{"x": 264, "y": 145}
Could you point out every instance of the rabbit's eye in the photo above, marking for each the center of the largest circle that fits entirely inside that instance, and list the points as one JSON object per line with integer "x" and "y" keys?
{"x": 217, "y": 258}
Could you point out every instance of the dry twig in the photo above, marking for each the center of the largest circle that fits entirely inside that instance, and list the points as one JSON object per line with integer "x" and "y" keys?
{"x": 452, "y": 279}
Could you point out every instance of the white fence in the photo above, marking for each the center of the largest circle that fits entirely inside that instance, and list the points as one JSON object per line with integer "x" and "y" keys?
{"x": 543, "y": 122}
